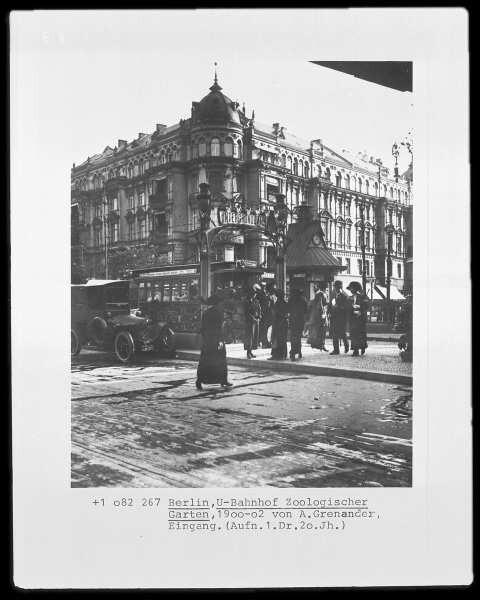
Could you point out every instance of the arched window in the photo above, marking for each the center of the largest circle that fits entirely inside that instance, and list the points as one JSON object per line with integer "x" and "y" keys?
{"x": 307, "y": 170}
{"x": 195, "y": 150}
{"x": 391, "y": 193}
{"x": 283, "y": 160}
{"x": 359, "y": 184}
{"x": 347, "y": 182}
{"x": 215, "y": 147}
{"x": 295, "y": 167}
{"x": 367, "y": 187}
{"x": 339, "y": 180}
{"x": 238, "y": 148}
{"x": 353, "y": 183}
{"x": 300, "y": 168}
{"x": 385, "y": 190}
{"x": 202, "y": 147}
{"x": 327, "y": 173}
{"x": 289, "y": 163}
{"x": 228, "y": 147}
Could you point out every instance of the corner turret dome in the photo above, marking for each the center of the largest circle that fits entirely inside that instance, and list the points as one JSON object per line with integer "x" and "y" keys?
{"x": 216, "y": 107}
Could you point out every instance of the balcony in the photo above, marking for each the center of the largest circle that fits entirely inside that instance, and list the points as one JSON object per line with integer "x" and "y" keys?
{"x": 158, "y": 237}
{"x": 158, "y": 201}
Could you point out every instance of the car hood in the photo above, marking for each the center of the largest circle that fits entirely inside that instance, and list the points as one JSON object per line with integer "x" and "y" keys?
{"x": 129, "y": 321}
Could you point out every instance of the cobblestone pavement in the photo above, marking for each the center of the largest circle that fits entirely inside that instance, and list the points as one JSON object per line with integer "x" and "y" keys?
{"x": 146, "y": 425}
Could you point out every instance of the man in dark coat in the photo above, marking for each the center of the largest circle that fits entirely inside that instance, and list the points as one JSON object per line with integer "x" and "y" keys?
{"x": 338, "y": 311}
{"x": 252, "y": 320}
{"x": 297, "y": 308}
{"x": 266, "y": 317}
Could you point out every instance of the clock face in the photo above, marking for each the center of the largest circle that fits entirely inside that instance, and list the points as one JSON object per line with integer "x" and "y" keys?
{"x": 316, "y": 239}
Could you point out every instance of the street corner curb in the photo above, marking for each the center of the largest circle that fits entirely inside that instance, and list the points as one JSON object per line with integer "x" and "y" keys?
{"x": 298, "y": 367}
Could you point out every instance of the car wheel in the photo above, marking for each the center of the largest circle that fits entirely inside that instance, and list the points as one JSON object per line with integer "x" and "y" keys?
{"x": 166, "y": 343}
{"x": 124, "y": 346}
{"x": 76, "y": 346}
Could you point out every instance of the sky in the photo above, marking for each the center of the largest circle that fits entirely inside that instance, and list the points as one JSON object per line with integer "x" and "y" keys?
{"x": 114, "y": 74}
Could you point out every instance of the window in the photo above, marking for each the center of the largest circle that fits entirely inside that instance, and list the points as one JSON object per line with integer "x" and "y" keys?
{"x": 376, "y": 188}
{"x": 113, "y": 203}
{"x": 367, "y": 268}
{"x": 237, "y": 149}
{"x": 307, "y": 170}
{"x": 283, "y": 160}
{"x": 202, "y": 148}
{"x": 295, "y": 167}
{"x": 142, "y": 229}
{"x": 347, "y": 262}
{"x": 289, "y": 163}
{"x": 339, "y": 180}
{"x": 114, "y": 233}
{"x": 360, "y": 183}
{"x": 141, "y": 198}
{"x": 98, "y": 211}
{"x": 359, "y": 266}
{"x": 97, "y": 239}
{"x": 359, "y": 237}
{"x": 215, "y": 147}
{"x": 399, "y": 270}
{"x": 227, "y": 147}
{"x": 349, "y": 236}
{"x": 340, "y": 235}
{"x": 131, "y": 231}
{"x": 347, "y": 182}
{"x": 229, "y": 254}
{"x": 131, "y": 201}
{"x": 300, "y": 168}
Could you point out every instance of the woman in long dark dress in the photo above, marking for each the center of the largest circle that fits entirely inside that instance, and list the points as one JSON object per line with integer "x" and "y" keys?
{"x": 358, "y": 318}
{"x": 212, "y": 366}
{"x": 279, "y": 326}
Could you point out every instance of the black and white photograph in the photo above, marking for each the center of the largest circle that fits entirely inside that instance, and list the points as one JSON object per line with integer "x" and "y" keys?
{"x": 242, "y": 292}
{"x": 243, "y": 220}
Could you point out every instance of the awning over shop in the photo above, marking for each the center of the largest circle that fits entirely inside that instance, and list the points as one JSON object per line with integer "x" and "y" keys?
{"x": 395, "y": 293}
{"x": 373, "y": 294}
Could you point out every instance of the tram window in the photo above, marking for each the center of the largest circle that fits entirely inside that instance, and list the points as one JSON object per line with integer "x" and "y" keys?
{"x": 141, "y": 293}
{"x": 156, "y": 294}
{"x": 166, "y": 293}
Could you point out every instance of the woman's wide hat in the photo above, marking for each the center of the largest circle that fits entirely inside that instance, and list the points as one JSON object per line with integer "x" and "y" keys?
{"x": 354, "y": 286}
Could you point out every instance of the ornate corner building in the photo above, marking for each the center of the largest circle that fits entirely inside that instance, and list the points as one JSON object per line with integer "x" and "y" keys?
{"x": 134, "y": 206}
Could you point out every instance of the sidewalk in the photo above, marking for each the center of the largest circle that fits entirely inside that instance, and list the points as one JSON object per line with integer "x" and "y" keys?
{"x": 381, "y": 362}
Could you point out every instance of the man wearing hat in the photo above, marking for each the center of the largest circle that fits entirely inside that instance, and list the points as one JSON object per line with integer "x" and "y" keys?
{"x": 338, "y": 310}
{"x": 358, "y": 318}
{"x": 253, "y": 313}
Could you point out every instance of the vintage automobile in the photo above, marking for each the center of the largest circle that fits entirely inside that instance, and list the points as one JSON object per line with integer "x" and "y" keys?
{"x": 101, "y": 318}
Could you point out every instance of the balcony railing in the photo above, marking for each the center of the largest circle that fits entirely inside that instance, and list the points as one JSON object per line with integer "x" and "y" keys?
{"x": 158, "y": 237}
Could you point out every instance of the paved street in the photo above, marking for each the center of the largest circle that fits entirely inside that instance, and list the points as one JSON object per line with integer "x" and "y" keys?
{"x": 146, "y": 425}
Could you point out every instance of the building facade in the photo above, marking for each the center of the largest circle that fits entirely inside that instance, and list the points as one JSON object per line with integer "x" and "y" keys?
{"x": 134, "y": 205}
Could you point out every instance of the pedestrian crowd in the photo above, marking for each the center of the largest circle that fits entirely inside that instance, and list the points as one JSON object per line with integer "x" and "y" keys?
{"x": 269, "y": 317}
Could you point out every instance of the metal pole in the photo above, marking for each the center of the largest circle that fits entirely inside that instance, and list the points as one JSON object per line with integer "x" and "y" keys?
{"x": 389, "y": 274}
{"x": 105, "y": 229}
{"x": 364, "y": 262}
{"x": 281, "y": 269}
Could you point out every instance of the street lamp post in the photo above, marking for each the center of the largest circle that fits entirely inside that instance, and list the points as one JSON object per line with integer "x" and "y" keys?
{"x": 389, "y": 272}
{"x": 362, "y": 246}
{"x": 204, "y": 200}
{"x": 105, "y": 232}
{"x": 277, "y": 228}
